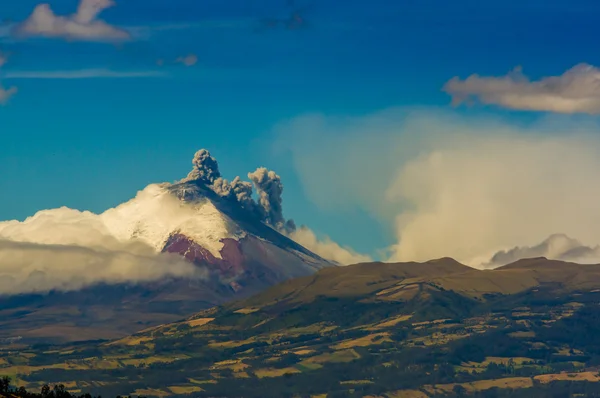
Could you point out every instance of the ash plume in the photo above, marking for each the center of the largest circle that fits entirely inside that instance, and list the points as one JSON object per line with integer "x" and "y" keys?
{"x": 269, "y": 189}
{"x": 243, "y": 193}
{"x": 206, "y": 168}
{"x": 238, "y": 190}
{"x": 222, "y": 187}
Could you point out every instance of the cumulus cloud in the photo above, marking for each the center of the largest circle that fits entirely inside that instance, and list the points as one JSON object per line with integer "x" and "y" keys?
{"x": 575, "y": 91}
{"x": 5, "y": 93}
{"x": 327, "y": 248}
{"x": 83, "y": 25}
{"x": 449, "y": 185}
{"x": 557, "y": 246}
{"x": 65, "y": 249}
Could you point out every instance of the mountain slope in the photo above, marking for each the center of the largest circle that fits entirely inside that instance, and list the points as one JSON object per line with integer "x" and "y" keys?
{"x": 363, "y": 330}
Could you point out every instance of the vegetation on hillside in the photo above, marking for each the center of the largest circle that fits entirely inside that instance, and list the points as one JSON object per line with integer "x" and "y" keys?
{"x": 59, "y": 391}
{"x": 389, "y": 333}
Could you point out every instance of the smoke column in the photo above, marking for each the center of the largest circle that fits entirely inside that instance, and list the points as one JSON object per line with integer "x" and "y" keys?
{"x": 206, "y": 168}
{"x": 269, "y": 189}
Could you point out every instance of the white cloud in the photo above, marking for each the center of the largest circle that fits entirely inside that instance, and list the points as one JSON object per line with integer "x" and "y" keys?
{"x": 83, "y": 25}
{"x": 452, "y": 186}
{"x": 327, "y": 248}
{"x": 32, "y": 267}
{"x": 65, "y": 249}
{"x": 83, "y": 74}
{"x": 575, "y": 91}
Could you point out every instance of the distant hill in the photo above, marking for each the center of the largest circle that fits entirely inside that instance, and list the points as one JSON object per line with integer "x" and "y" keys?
{"x": 355, "y": 280}
{"x": 433, "y": 329}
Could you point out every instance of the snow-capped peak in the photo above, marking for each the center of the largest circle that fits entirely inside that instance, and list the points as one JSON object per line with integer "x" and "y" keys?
{"x": 155, "y": 213}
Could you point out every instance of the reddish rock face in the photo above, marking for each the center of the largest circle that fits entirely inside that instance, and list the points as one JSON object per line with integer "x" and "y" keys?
{"x": 230, "y": 265}
{"x": 246, "y": 266}
{"x": 232, "y": 254}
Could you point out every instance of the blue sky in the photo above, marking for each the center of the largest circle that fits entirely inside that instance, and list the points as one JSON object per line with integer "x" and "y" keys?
{"x": 92, "y": 143}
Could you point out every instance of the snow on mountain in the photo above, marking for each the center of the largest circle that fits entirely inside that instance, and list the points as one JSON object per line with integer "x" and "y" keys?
{"x": 155, "y": 214}
{"x": 151, "y": 218}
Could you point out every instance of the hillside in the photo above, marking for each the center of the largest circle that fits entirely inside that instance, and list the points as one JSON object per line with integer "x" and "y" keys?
{"x": 382, "y": 330}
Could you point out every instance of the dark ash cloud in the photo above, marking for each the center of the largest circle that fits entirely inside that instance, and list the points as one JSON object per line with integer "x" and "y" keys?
{"x": 206, "y": 168}
{"x": 270, "y": 190}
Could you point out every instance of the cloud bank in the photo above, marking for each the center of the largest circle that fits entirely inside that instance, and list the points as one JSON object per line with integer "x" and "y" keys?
{"x": 575, "y": 91}
{"x": 64, "y": 249}
{"x": 31, "y": 267}
{"x": 452, "y": 186}
{"x": 83, "y": 25}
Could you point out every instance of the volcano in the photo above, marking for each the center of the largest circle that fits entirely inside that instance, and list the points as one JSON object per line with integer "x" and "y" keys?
{"x": 238, "y": 244}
